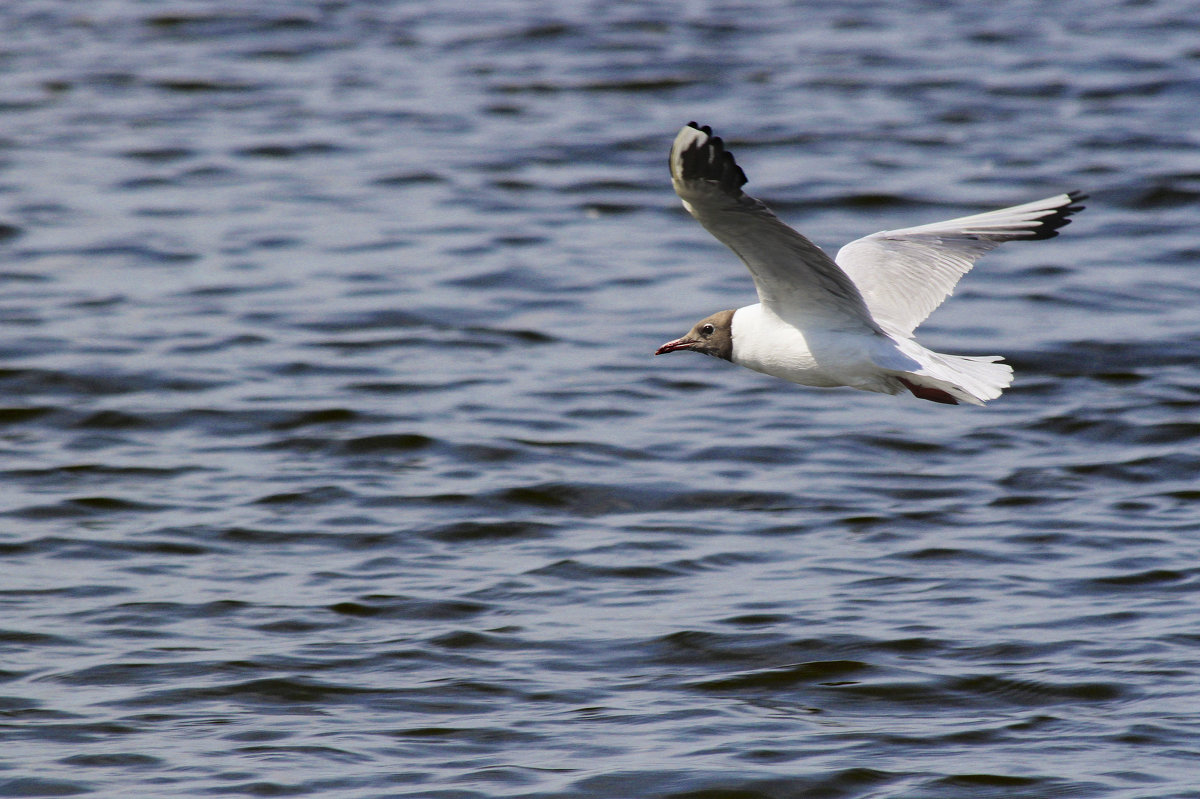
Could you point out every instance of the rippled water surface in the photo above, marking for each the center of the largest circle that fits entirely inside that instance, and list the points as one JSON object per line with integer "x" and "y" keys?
{"x": 335, "y": 462}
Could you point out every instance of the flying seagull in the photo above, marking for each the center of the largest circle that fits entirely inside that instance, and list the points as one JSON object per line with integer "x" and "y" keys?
{"x": 847, "y": 321}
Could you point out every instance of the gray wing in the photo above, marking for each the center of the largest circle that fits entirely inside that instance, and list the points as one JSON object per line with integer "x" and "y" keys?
{"x": 793, "y": 276}
{"x": 904, "y": 274}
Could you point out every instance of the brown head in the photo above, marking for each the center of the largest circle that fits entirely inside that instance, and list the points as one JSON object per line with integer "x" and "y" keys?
{"x": 711, "y": 336}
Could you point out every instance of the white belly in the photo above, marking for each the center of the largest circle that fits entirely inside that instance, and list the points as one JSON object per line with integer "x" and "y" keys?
{"x": 765, "y": 343}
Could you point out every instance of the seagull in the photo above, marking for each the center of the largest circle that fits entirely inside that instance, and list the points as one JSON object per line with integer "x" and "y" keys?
{"x": 849, "y": 320}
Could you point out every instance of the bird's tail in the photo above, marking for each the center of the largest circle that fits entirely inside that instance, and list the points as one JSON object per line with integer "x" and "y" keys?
{"x": 959, "y": 378}
{"x": 951, "y": 379}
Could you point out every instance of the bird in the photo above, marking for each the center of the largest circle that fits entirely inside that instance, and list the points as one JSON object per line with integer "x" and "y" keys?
{"x": 848, "y": 320}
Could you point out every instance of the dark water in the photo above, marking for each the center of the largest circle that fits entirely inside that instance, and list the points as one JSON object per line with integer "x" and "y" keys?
{"x": 335, "y": 462}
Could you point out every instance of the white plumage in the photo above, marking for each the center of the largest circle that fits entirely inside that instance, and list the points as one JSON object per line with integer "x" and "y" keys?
{"x": 849, "y": 322}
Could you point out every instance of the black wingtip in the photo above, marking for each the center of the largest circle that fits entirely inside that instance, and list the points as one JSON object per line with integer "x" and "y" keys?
{"x": 1050, "y": 225}
{"x": 709, "y": 160}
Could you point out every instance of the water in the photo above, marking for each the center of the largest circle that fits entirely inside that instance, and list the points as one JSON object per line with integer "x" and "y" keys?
{"x": 335, "y": 462}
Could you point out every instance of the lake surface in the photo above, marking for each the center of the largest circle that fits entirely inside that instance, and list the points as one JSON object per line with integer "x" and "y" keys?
{"x": 336, "y": 464}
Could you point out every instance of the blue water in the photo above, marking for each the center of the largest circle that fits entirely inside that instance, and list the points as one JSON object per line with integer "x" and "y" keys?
{"x": 335, "y": 462}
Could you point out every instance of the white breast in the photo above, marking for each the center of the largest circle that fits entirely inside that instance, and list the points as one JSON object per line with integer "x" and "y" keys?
{"x": 765, "y": 343}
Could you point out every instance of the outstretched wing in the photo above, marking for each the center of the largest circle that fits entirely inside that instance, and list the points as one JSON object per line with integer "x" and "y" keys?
{"x": 793, "y": 276}
{"x": 904, "y": 274}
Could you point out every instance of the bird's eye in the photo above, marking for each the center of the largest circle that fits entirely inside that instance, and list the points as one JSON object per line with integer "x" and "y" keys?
{"x": 707, "y": 330}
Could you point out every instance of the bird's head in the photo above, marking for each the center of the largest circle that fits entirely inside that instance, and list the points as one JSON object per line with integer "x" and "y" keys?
{"x": 711, "y": 336}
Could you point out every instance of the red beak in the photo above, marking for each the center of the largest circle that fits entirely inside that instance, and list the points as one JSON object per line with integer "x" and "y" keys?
{"x": 678, "y": 344}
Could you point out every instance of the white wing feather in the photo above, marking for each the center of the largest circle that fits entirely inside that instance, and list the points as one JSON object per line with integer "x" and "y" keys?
{"x": 905, "y": 274}
{"x": 793, "y": 276}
